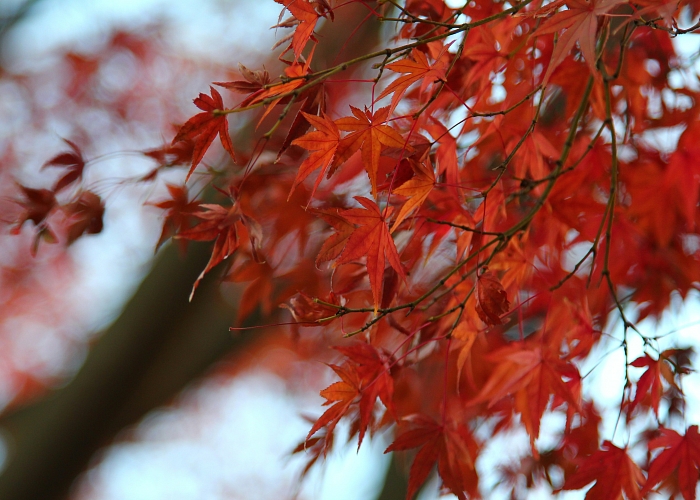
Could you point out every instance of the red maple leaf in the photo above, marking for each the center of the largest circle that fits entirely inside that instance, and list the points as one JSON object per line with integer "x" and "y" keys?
{"x": 533, "y": 375}
{"x": 650, "y": 381}
{"x": 203, "y": 128}
{"x": 371, "y": 239}
{"x": 36, "y": 207}
{"x": 491, "y": 298}
{"x": 333, "y": 246}
{"x": 452, "y": 448}
{"x": 581, "y": 23}
{"x": 339, "y": 395}
{"x": 179, "y": 212}
{"x": 369, "y": 132}
{"x": 84, "y": 215}
{"x": 614, "y": 474}
{"x": 364, "y": 378}
{"x": 681, "y": 454}
{"x": 375, "y": 381}
{"x": 222, "y": 224}
{"x": 416, "y": 189}
{"x": 74, "y": 163}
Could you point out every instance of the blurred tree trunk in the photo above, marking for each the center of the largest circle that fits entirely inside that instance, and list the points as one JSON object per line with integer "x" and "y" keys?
{"x": 158, "y": 344}
{"x": 395, "y": 482}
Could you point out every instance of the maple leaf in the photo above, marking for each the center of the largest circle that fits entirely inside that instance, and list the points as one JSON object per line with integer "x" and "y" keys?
{"x": 203, "y": 128}
{"x": 340, "y": 395}
{"x": 38, "y": 205}
{"x": 306, "y": 17}
{"x": 581, "y": 23}
{"x": 364, "y": 378}
{"x": 323, "y": 142}
{"x": 376, "y": 382}
{"x": 294, "y": 74}
{"x": 315, "y": 448}
{"x": 314, "y": 104}
{"x": 260, "y": 288}
{"x": 368, "y": 132}
{"x": 84, "y": 215}
{"x": 650, "y": 381}
{"x": 73, "y": 161}
{"x": 333, "y": 246}
{"x": 222, "y": 224}
{"x": 614, "y": 474}
{"x": 679, "y": 453}
{"x": 491, "y": 298}
{"x": 253, "y": 85}
{"x": 416, "y": 189}
{"x": 371, "y": 239}
{"x": 533, "y": 375}
{"x": 452, "y": 448}
{"x": 179, "y": 212}
{"x": 415, "y": 68}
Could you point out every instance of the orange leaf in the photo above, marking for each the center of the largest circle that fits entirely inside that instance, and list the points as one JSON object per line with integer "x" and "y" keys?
{"x": 307, "y": 17}
{"x": 372, "y": 366}
{"x": 416, "y": 189}
{"x": 415, "y": 68}
{"x": 340, "y": 395}
{"x": 368, "y": 133}
{"x": 323, "y": 142}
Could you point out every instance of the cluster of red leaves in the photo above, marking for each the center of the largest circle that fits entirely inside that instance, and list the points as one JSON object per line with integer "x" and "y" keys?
{"x": 442, "y": 224}
{"x": 81, "y": 214}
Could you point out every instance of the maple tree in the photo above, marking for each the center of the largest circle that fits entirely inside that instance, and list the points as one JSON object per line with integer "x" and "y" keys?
{"x": 491, "y": 202}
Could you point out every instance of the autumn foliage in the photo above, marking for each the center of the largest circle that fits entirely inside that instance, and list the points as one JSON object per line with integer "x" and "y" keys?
{"x": 463, "y": 214}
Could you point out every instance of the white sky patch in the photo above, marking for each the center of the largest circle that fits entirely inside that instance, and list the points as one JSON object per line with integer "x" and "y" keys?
{"x": 231, "y": 438}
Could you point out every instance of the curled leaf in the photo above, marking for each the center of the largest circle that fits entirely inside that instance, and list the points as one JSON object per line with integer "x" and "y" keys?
{"x": 491, "y": 298}
{"x": 84, "y": 215}
{"x": 307, "y": 310}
